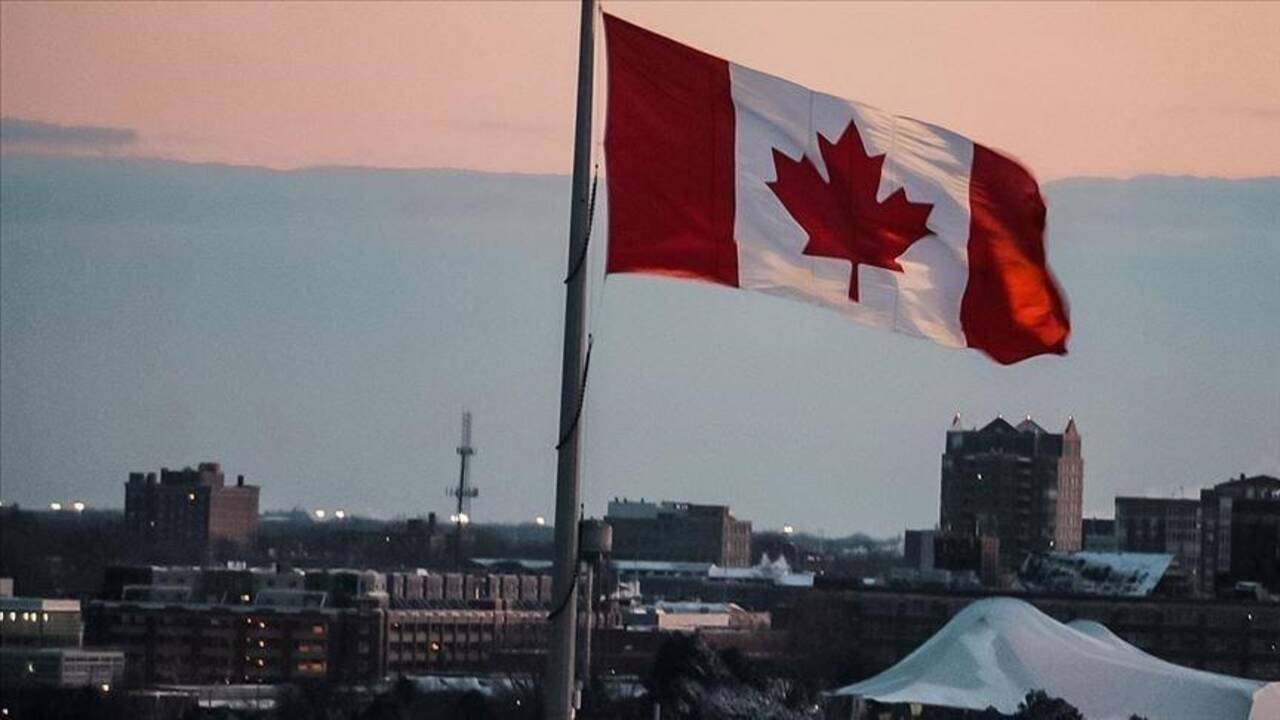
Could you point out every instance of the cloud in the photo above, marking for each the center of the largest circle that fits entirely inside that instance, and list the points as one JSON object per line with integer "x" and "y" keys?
{"x": 50, "y": 136}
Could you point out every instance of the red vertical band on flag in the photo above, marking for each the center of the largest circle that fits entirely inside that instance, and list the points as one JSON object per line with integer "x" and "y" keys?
{"x": 1012, "y": 307}
{"x": 669, "y": 140}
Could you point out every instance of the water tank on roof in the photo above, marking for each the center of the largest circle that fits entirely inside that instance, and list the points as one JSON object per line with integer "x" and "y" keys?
{"x": 595, "y": 538}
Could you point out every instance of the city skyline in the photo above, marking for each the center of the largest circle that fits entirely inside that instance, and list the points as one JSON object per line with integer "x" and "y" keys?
{"x": 324, "y": 342}
{"x": 320, "y": 329}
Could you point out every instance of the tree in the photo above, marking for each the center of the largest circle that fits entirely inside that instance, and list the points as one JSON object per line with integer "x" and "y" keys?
{"x": 693, "y": 682}
{"x": 1039, "y": 705}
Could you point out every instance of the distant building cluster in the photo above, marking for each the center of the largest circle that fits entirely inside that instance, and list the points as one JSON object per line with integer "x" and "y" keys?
{"x": 1226, "y": 541}
{"x": 279, "y": 624}
{"x": 1193, "y": 581}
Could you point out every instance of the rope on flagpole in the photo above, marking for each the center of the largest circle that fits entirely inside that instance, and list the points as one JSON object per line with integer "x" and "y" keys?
{"x": 582, "y": 394}
{"x": 586, "y": 361}
{"x": 573, "y": 584}
{"x": 586, "y": 243}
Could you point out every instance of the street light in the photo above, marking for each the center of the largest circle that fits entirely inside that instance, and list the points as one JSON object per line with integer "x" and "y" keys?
{"x": 459, "y": 519}
{"x": 340, "y": 514}
{"x": 77, "y": 506}
{"x": 787, "y": 530}
{"x": 539, "y": 521}
{"x": 319, "y": 514}
{"x": 55, "y": 506}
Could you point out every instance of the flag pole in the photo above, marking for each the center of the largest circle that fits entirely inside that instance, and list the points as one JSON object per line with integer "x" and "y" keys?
{"x": 559, "y": 684}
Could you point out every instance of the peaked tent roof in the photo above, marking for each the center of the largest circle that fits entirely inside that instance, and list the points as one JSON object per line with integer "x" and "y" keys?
{"x": 997, "y": 650}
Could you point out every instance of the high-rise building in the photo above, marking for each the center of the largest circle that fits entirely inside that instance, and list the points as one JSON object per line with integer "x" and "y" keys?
{"x": 1161, "y": 525}
{"x": 190, "y": 514}
{"x": 1240, "y": 534}
{"x": 1022, "y": 484}
{"x": 679, "y": 531}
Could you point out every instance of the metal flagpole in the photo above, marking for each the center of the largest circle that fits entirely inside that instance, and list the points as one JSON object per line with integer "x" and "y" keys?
{"x": 559, "y": 685}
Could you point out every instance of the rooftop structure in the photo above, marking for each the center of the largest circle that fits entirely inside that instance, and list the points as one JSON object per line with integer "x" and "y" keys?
{"x": 1093, "y": 573}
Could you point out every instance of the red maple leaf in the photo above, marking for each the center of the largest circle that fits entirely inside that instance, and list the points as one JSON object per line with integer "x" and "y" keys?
{"x": 842, "y": 217}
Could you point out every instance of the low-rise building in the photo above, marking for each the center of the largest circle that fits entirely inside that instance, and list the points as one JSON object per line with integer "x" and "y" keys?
{"x": 61, "y": 667}
{"x": 1099, "y": 535}
{"x": 679, "y": 531}
{"x": 691, "y": 616}
{"x": 41, "y": 644}
{"x": 192, "y": 625}
{"x": 40, "y": 622}
{"x": 215, "y": 643}
{"x": 949, "y": 557}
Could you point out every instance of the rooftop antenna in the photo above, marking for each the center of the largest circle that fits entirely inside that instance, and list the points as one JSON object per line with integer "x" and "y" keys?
{"x": 464, "y": 492}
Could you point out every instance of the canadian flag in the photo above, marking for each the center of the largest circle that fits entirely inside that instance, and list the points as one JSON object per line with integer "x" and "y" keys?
{"x": 720, "y": 173}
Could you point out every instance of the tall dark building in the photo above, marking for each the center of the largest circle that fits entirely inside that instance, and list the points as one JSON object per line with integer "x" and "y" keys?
{"x": 190, "y": 515}
{"x": 1240, "y": 534}
{"x": 679, "y": 531}
{"x": 1022, "y": 484}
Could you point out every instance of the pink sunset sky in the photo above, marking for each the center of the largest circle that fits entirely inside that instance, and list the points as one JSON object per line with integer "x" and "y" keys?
{"x": 1072, "y": 89}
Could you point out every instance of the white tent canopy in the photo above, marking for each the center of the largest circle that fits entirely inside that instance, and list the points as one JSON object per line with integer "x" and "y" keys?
{"x": 997, "y": 650}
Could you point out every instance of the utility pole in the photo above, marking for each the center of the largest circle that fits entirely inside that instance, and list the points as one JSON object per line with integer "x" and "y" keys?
{"x": 559, "y": 684}
{"x": 464, "y": 492}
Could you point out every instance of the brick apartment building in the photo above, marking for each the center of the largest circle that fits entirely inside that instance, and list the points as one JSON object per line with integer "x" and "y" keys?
{"x": 190, "y": 515}
{"x": 271, "y": 625}
{"x": 224, "y": 643}
{"x": 1022, "y": 484}
{"x": 679, "y": 531}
